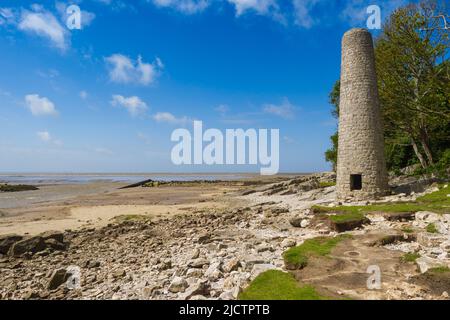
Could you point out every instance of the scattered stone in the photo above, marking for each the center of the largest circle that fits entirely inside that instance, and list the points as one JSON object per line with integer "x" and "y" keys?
{"x": 288, "y": 243}
{"x": 201, "y": 288}
{"x": 296, "y": 222}
{"x": 305, "y": 223}
{"x": 231, "y": 265}
{"x": 399, "y": 216}
{"x": 58, "y": 277}
{"x": 178, "y": 284}
{"x": 198, "y": 263}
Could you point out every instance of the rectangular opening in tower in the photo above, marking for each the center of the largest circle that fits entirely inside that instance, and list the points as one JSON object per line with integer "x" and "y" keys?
{"x": 355, "y": 182}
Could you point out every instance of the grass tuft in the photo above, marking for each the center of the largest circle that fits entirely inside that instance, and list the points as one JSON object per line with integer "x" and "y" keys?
{"x": 278, "y": 285}
{"x": 437, "y": 202}
{"x": 431, "y": 228}
{"x": 410, "y": 257}
{"x": 326, "y": 184}
{"x": 297, "y": 257}
{"x": 442, "y": 269}
{"x": 407, "y": 230}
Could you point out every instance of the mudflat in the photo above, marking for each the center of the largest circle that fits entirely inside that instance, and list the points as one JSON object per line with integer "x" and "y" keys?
{"x": 72, "y": 206}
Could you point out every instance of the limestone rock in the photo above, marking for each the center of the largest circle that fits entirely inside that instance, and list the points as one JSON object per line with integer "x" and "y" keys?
{"x": 58, "y": 277}
{"x": 33, "y": 245}
{"x": 288, "y": 243}
{"x": 231, "y": 265}
{"x": 178, "y": 284}
{"x": 7, "y": 241}
{"x": 201, "y": 288}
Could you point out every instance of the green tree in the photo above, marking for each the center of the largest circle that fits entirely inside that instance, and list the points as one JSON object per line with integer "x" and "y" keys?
{"x": 331, "y": 154}
{"x": 412, "y": 78}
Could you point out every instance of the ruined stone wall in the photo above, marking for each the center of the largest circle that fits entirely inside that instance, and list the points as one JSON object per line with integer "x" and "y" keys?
{"x": 361, "y": 144}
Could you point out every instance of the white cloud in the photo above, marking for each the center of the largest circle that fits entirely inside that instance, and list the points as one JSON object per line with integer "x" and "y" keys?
{"x": 124, "y": 70}
{"x": 47, "y": 138}
{"x": 44, "y": 136}
{"x": 259, "y": 6}
{"x": 134, "y": 104}
{"x": 222, "y": 109}
{"x": 40, "y": 106}
{"x": 268, "y": 8}
{"x": 284, "y": 110}
{"x": 44, "y": 24}
{"x": 170, "y": 118}
{"x": 83, "y": 94}
{"x": 184, "y": 6}
{"x": 303, "y": 16}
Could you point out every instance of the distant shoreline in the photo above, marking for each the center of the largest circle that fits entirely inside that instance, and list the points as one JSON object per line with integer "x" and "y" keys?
{"x": 82, "y": 178}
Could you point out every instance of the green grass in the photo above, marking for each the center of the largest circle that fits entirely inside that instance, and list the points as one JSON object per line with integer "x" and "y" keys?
{"x": 436, "y": 202}
{"x": 439, "y": 270}
{"x": 326, "y": 184}
{"x": 346, "y": 217}
{"x": 278, "y": 285}
{"x": 431, "y": 228}
{"x": 407, "y": 230}
{"x": 16, "y": 188}
{"x": 410, "y": 257}
{"x": 297, "y": 257}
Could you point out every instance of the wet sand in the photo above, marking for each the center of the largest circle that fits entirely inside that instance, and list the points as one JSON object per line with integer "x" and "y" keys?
{"x": 92, "y": 205}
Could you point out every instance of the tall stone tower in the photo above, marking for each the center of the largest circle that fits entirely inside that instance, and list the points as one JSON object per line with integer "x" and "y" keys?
{"x": 361, "y": 165}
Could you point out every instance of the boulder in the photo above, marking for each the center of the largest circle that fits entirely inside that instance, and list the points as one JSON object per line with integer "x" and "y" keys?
{"x": 194, "y": 273}
{"x": 201, "y": 288}
{"x": 296, "y": 222}
{"x": 178, "y": 284}
{"x": 58, "y": 277}
{"x": 399, "y": 216}
{"x": 7, "y": 241}
{"x": 54, "y": 244}
{"x": 231, "y": 265}
{"x": 288, "y": 243}
{"x": 213, "y": 272}
{"x": 33, "y": 245}
{"x": 347, "y": 225}
{"x": 198, "y": 263}
{"x": 56, "y": 235}
{"x": 304, "y": 223}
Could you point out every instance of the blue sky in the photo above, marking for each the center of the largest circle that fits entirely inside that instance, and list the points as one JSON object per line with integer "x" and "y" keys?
{"x": 107, "y": 97}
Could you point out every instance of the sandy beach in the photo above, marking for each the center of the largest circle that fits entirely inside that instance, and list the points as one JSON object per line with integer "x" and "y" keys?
{"x": 95, "y": 204}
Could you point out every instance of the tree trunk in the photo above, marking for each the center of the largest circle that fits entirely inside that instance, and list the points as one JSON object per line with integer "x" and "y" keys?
{"x": 425, "y": 147}
{"x": 418, "y": 154}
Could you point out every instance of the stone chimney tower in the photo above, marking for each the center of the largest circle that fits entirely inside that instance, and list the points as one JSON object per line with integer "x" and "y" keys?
{"x": 361, "y": 165}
